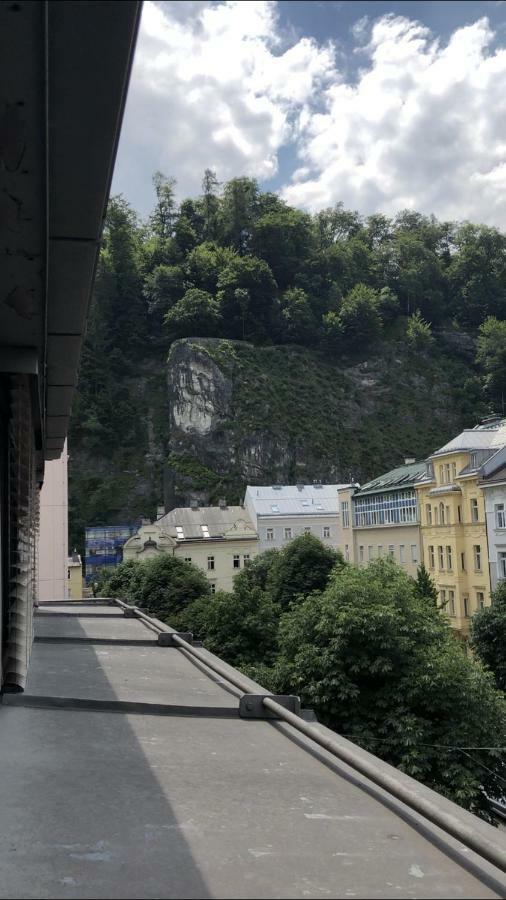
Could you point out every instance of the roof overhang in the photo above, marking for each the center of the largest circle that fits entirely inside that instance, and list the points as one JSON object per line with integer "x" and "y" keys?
{"x": 64, "y": 74}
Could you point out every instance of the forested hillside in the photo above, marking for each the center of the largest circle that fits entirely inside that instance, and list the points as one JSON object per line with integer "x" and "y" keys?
{"x": 321, "y": 346}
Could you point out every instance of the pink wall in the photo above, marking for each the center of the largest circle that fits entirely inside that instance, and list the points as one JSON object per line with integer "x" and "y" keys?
{"x": 53, "y": 531}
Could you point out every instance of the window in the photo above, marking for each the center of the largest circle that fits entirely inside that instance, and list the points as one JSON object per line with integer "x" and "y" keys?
{"x": 391, "y": 551}
{"x": 187, "y": 559}
{"x": 449, "y": 560}
{"x": 459, "y": 513}
{"x": 447, "y": 515}
{"x": 275, "y": 508}
{"x": 454, "y": 471}
{"x": 474, "y": 510}
{"x": 345, "y": 513}
{"x": 436, "y": 515}
{"x": 394, "y": 508}
{"x": 307, "y": 529}
{"x": 246, "y": 559}
{"x": 441, "y": 513}
{"x": 500, "y": 515}
{"x": 210, "y": 563}
{"x": 466, "y": 606}
{"x": 326, "y": 531}
{"x": 414, "y": 553}
{"x": 370, "y": 552}
{"x": 463, "y": 561}
{"x": 441, "y": 474}
{"x": 432, "y": 562}
{"x": 213, "y": 587}
{"x": 360, "y": 554}
{"x": 401, "y": 553}
{"x": 179, "y": 532}
{"x": 474, "y": 460}
{"x": 428, "y": 514}
{"x": 447, "y": 473}
{"x": 288, "y": 534}
{"x": 477, "y": 557}
{"x": 451, "y": 603}
{"x": 441, "y": 558}
{"x": 501, "y": 564}
{"x": 347, "y": 553}
{"x": 270, "y": 534}
{"x": 442, "y": 598}
{"x": 380, "y": 549}
{"x": 237, "y": 561}
{"x": 480, "y": 599}
{"x": 205, "y": 531}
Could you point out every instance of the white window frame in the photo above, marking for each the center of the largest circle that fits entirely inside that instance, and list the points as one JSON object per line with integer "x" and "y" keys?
{"x": 475, "y": 513}
{"x": 501, "y": 565}
{"x": 236, "y": 562}
{"x": 269, "y": 534}
{"x": 361, "y": 553}
{"x": 391, "y": 551}
{"x": 210, "y": 563}
{"x": 414, "y": 553}
{"x": 477, "y": 557}
{"x": 451, "y": 602}
{"x": 500, "y": 515}
{"x": 326, "y": 531}
{"x": 449, "y": 557}
{"x": 307, "y": 529}
{"x": 441, "y": 557}
{"x": 432, "y": 557}
{"x": 480, "y": 599}
{"x": 288, "y": 533}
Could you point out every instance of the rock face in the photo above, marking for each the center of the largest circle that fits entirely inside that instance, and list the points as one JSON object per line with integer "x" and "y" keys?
{"x": 239, "y": 413}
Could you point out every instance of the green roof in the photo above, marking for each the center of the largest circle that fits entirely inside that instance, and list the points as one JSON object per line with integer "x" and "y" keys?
{"x": 402, "y": 477}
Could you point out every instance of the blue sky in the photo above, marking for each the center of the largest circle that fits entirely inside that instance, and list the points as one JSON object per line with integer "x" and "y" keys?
{"x": 381, "y": 105}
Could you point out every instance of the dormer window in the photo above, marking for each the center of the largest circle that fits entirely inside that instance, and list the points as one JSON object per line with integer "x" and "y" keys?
{"x": 179, "y": 532}
{"x": 275, "y": 509}
{"x": 205, "y": 531}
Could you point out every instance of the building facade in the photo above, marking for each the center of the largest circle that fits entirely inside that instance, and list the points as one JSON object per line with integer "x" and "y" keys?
{"x": 454, "y": 522}
{"x": 52, "y": 544}
{"x": 104, "y": 547}
{"x": 219, "y": 540}
{"x": 492, "y": 480}
{"x": 381, "y": 518}
{"x": 281, "y": 512}
{"x": 74, "y": 589}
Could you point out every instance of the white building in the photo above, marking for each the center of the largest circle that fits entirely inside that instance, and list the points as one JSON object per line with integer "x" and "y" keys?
{"x": 52, "y": 544}
{"x": 219, "y": 540}
{"x": 281, "y": 512}
{"x": 493, "y": 483}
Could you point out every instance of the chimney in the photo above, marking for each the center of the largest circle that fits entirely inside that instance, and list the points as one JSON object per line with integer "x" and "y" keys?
{"x": 222, "y": 503}
{"x": 194, "y": 504}
{"x": 300, "y": 486}
{"x": 409, "y": 460}
{"x": 160, "y": 511}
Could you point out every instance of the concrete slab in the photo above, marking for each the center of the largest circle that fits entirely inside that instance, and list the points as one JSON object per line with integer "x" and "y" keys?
{"x": 99, "y": 627}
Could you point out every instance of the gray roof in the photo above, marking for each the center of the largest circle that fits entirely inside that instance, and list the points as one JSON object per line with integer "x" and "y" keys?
{"x": 180, "y": 797}
{"x": 291, "y": 500}
{"x": 483, "y": 437}
{"x": 218, "y": 520}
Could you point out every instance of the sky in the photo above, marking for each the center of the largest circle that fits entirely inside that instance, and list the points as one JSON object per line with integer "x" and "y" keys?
{"x": 381, "y": 105}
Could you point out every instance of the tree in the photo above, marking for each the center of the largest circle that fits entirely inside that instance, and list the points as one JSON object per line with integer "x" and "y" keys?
{"x": 168, "y": 584}
{"x": 360, "y": 317}
{"x": 204, "y": 264}
{"x": 298, "y": 323}
{"x": 237, "y": 213}
{"x": 240, "y": 626}
{"x": 283, "y": 237}
{"x": 491, "y": 356}
{"x": 210, "y": 204}
{"x": 488, "y": 635}
{"x": 380, "y": 665}
{"x": 304, "y": 565}
{"x": 425, "y": 586}
{"x": 123, "y": 581}
{"x": 197, "y": 313}
{"x": 418, "y": 332}
{"x": 164, "y": 215}
{"x": 246, "y": 292}
{"x": 477, "y": 274}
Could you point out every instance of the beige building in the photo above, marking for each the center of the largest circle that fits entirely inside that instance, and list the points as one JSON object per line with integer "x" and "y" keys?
{"x": 52, "y": 549}
{"x": 381, "y": 518}
{"x": 219, "y": 540}
{"x": 74, "y": 577}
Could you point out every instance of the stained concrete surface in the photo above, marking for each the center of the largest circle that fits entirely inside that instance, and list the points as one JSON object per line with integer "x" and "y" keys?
{"x": 107, "y": 805}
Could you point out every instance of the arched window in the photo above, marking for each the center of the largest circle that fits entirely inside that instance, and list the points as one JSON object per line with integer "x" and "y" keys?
{"x": 442, "y": 513}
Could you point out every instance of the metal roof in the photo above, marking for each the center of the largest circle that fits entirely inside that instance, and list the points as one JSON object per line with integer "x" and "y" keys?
{"x": 483, "y": 437}
{"x": 218, "y": 520}
{"x": 290, "y": 500}
{"x": 178, "y": 796}
{"x": 402, "y": 477}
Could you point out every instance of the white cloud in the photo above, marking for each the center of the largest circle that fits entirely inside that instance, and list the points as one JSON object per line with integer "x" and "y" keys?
{"x": 214, "y": 86}
{"x": 423, "y": 126}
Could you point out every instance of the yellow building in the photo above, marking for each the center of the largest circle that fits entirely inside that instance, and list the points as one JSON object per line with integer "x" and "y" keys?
{"x": 219, "y": 540}
{"x": 453, "y": 522}
{"x": 74, "y": 577}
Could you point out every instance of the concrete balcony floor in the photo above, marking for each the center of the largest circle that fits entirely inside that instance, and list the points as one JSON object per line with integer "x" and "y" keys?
{"x": 193, "y": 801}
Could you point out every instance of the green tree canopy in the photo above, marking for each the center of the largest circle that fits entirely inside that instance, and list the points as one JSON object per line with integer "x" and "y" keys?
{"x": 246, "y": 292}
{"x": 163, "y": 585}
{"x": 380, "y": 665}
{"x": 488, "y": 635}
{"x": 197, "y": 313}
{"x": 491, "y": 356}
{"x": 304, "y": 565}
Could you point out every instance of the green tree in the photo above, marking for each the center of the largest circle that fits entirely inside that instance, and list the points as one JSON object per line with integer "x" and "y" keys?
{"x": 425, "y": 586}
{"x": 304, "y": 565}
{"x": 298, "y": 323}
{"x": 240, "y": 626}
{"x": 283, "y": 237}
{"x": 210, "y": 204}
{"x": 477, "y": 274}
{"x": 418, "y": 332}
{"x": 238, "y": 210}
{"x": 360, "y": 316}
{"x": 204, "y": 264}
{"x": 197, "y": 313}
{"x": 169, "y": 584}
{"x": 488, "y": 635}
{"x": 491, "y": 357}
{"x": 122, "y": 582}
{"x": 380, "y": 665}
{"x": 246, "y": 292}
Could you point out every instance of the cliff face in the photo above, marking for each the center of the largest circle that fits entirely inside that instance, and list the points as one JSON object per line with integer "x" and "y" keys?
{"x": 239, "y": 413}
